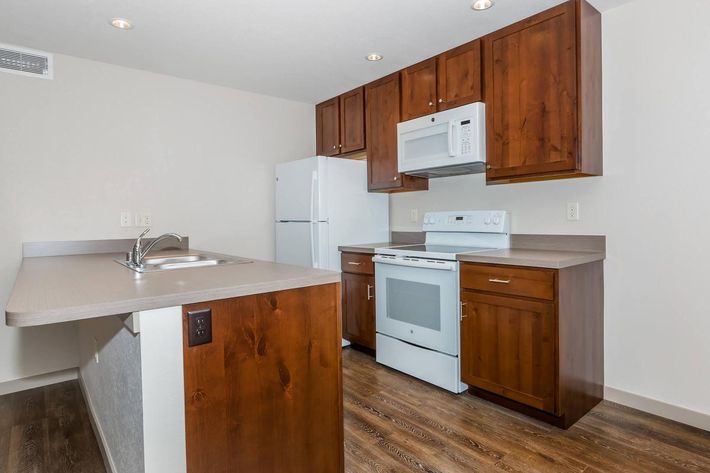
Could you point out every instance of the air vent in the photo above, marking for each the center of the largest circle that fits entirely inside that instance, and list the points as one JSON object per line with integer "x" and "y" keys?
{"x": 26, "y": 62}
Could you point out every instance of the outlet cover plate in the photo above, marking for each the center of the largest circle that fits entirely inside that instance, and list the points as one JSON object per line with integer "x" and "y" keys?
{"x": 199, "y": 327}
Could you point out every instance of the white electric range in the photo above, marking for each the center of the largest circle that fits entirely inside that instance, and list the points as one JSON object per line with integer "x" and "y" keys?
{"x": 417, "y": 287}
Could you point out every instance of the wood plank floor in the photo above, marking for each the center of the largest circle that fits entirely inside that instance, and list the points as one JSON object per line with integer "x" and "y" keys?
{"x": 47, "y": 430}
{"x": 393, "y": 423}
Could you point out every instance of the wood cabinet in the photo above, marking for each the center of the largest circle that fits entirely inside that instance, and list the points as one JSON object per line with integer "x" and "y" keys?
{"x": 340, "y": 124}
{"x": 382, "y": 99}
{"x": 449, "y": 80}
{"x": 532, "y": 339}
{"x": 459, "y": 76}
{"x": 266, "y": 393}
{"x": 543, "y": 96}
{"x": 358, "y": 283}
{"x": 328, "y": 128}
{"x": 419, "y": 90}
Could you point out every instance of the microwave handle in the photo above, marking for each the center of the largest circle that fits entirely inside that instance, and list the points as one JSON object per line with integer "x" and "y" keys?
{"x": 453, "y": 141}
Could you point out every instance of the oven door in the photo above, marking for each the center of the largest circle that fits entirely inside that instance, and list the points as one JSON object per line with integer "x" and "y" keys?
{"x": 417, "y": 301}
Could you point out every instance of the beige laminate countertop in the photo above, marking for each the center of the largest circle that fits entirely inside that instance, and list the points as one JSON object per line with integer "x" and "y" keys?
{"x": 537, "y": 258}
{"x": 64, "y": 288}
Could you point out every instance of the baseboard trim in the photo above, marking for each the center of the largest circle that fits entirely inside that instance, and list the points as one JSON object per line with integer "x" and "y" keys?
{"x": 98, "y": 432}
{"x": 659, "y": 408}
{"x": 38, "y": 381}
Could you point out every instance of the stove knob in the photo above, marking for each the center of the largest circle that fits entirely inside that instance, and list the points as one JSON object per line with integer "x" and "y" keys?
{"x": 496, "y": 220}
{"x": 487, "y": 220}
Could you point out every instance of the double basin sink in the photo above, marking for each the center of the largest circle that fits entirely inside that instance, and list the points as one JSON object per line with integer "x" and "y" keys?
{"x": 180, "y": 261}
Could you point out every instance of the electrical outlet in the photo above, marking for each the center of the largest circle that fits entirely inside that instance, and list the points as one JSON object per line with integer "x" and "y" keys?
{"x": 572, "y": 210}
{"x": 144, "y": 219}
{"x": 126, "y": 219}
{"x": 414, "y": 215}
{"x": 199, "y": 327}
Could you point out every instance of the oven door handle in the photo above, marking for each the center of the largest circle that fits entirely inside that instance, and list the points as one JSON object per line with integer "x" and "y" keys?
{"x": 416, "y": 262}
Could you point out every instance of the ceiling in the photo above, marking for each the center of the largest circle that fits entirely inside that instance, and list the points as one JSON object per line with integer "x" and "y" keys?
{"x": 306, "y": 50}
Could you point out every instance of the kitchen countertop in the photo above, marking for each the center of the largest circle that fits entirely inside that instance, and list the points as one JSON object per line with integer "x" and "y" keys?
{"x": 531, "y": 257}
{"x": 63, "y": 288}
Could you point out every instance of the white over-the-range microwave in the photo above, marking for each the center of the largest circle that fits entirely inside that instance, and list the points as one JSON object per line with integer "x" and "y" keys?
{"x": 447, "y": 143}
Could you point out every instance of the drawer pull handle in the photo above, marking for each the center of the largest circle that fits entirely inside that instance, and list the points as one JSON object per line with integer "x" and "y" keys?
{"x": 369, "y": 294}
{"x": 499, "y": 281}
{"x": 354, "y": 263}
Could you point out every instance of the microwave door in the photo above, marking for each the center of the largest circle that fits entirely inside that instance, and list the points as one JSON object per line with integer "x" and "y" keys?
{"x": 420, "y": 147}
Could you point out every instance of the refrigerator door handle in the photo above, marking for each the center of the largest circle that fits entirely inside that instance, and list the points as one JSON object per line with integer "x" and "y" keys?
{"x": 314, "y": 179}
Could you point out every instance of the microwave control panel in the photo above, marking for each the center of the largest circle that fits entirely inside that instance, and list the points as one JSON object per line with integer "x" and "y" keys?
{"x": 466, "y": 132}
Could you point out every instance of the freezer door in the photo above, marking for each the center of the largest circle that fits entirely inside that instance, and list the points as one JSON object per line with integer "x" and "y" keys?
{"x": 302, "y": 244}
{"x": 298, "y": 190}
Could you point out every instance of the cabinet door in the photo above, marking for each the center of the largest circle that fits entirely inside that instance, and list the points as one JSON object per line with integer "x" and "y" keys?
{"x": 508, "y": 348}
{"x": 530, "y": 90}
{"x": 270, "y": 378}
{"x": 327, "y": 128}
{"x": 359, "y": 309}
{"x": 419, "y": 90}
{"x": 459, "y": 76}
{"x": 352, "y": 121}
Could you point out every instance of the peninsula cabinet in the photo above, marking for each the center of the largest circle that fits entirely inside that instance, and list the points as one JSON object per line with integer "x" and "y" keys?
{"x": 382, "y": 113}
{"x": 265, "y": 394}
{"x": 358, "y": 283}
{"x": 532, "y": 339}
{"x": 542, "y": 89}
{"x": 449, "y": 80}
{"x": 340, "y": 124}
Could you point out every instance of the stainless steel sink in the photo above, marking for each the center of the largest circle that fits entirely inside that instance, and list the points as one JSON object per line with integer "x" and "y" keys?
{"x": 179, "y": 261}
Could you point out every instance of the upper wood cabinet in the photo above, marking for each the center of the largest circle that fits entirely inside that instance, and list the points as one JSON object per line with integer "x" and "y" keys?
{"x": 327, "y": 128}
{"x": 419, "y": 90}
{"x": 352, "y": 121}
{"x": 459, "y": 76}
{"x": 382, "y": 99}
{"x": 543, "y": 96}
{"x": 340, "y": 124}
{"x": 449, "y": 80}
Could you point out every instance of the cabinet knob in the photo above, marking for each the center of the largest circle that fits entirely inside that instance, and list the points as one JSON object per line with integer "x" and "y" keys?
{"x": 488, "y": 166}
{"x": 395, "y": 178}
{"x": 441, "y": 100}
{"x": 340, "y": 146}
{"x": 431, "y": 104}
{"x": 335, "y": 146}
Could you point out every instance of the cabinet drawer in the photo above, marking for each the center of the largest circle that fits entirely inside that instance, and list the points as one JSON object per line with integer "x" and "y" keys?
{"x": 357, "y": 263}
{"x": 537, "y": 283}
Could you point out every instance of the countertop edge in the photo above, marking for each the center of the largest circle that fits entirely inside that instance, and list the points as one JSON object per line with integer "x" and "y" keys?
{"x": 562, "y": 263}
{"x": 71, "y": 314}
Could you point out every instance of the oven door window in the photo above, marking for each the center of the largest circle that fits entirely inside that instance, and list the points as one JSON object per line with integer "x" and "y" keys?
{"x": 414, "y": 303}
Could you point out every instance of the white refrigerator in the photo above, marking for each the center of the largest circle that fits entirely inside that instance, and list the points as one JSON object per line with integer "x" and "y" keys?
{"x": 323, "y": 203}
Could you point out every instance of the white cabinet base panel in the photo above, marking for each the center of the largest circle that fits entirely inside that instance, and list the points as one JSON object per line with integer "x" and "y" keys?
{"x": 428, "y": 365}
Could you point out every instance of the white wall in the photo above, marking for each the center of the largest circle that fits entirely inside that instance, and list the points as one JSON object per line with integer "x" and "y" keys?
{"x": 653, "y": 201}
{"x": 77, "y": 150}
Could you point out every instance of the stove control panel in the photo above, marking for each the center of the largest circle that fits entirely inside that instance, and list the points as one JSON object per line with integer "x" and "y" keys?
{"x": 470, "y": 221}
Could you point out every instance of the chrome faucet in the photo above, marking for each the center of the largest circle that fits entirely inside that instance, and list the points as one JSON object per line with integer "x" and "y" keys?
{"x": 135, "y": 257}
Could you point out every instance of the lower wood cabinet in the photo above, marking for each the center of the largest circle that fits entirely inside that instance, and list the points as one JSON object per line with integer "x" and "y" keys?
{"x": 508, "y": 348}
{"x": 265, "y": 395}
{"x": 532, "y": 339}
{"x": 358, "y": 283}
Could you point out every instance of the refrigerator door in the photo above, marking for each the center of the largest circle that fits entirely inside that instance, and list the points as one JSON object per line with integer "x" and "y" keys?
{"x": 302, "y": 244}
{"x": 299, "y": 195}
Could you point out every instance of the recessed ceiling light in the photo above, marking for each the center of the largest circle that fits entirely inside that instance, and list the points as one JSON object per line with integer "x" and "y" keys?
{"x": 373, "y": 57}
{"x": 482, "y": 5}
{"x": 121, "y": 23}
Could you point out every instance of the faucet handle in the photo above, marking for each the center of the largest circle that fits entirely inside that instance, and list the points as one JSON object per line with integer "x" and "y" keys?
{"x": 145, "y": 232}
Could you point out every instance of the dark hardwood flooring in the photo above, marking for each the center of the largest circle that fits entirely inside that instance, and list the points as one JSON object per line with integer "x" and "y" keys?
{"x": 47, "y": 430}
{"x": 393, "y": 423}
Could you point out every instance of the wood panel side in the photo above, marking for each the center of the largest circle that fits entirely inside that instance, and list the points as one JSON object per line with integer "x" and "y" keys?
{"x": 589, "y": 84}
{"x": 266, "y": 394}
{"x": 581, "y": 339}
